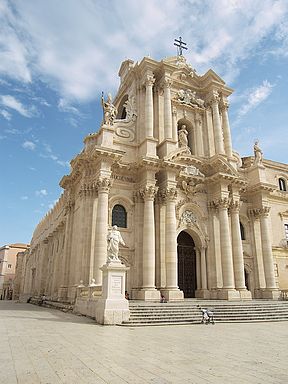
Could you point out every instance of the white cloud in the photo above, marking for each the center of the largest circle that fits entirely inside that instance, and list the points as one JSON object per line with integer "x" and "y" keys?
{"x": 50, "y": 155}
{"x": 41, "y": 193}
{"x": 255, "y": 97}
{"x": 76, "y": 46}
{"x": 29, "y": 145}
{"x": 5, "y": 114}
{"x": 64, "y": 106}
{"x": 24, "y": 197}
{"x": 14, "y": 104}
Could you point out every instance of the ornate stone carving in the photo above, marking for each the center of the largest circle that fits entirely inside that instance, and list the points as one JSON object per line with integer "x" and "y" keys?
{"x": 88, "y": 189}
{"x": 104, "y": 184}
{"x": 222, "y": 203}
{"x": 149, "y": 80}
{"x": 189, "y": 97}
{"x": 183, "y": 137}
{"x": 256, "y": 213}
{"x": 192, "y": 187}
{"x": 193, "y": 171}
{"x": 188, "y": 218}
{"x": 109, "y": 110}
{"x": 169, "y": 194}
{"x": 235, "y": 206}
{"x": 131, "y": 110}
{"x": 148, "y": 192}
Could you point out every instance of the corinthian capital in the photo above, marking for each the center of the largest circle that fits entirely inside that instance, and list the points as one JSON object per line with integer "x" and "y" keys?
{"x": 166, "y": 82}
{"x": 148, "y": 192}
{"x": 222, "y": 203}
{"x": 234, "y": 206}
{"x": 104, "y": 184}
{"x": 149, "y": 80}
{"x": 169, "y": 194}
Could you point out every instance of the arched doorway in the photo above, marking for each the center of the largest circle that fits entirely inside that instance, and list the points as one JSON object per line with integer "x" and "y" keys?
{"x": 186, "y": 264}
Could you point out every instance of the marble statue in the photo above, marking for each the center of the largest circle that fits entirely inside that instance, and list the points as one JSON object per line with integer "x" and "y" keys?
{"x": 258, "y": 154}
{"x": 109, "y": 110}
{"x": 114, "y": 238}
{"x": 182, "y": 136}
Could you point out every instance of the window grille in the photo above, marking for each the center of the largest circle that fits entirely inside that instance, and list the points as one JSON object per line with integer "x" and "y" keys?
{"x": 119, "y": 216}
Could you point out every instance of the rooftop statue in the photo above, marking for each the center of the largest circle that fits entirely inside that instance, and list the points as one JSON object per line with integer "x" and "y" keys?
{"x": 109, "y": 110}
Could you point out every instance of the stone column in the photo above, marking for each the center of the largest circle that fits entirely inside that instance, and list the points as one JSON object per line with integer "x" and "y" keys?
{"x": 226, "y": 128}
{"x": 167, "y": 82}
{"x": 174, "y": 124}
{"x": 267, "y": 249}
{"x": 199, "y": 135}
{"x": 226, "y": 248}
{"x": 260, "y": 283}
{"x": 218, "y": 136}
{"x": 203, "y": 269}
{"x": 237, "y": 246}
{"x": 198, "y": 269}
{"x": 148, "y": 291}
{"x": 171, "y": 291}
{"x": 149, "y": 115}
{"x": 100, "y": 249}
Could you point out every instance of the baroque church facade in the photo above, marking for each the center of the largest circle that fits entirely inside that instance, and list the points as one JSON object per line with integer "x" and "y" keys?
{"x": 196, "y": 218}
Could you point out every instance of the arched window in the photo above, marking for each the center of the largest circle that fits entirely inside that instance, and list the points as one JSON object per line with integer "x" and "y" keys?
{"x": 282, "y": 184}
{"x": 119, "y": 216}
{"x": 242, "y": 231}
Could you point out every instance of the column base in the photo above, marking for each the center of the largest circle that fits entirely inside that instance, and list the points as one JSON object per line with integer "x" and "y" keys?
{"x": 172, "y": 294}
{"x": 148, "y": 148}
{"x": 228, "y": 294}
{"x": 166, "y": 147}
{"x": 203, "y": 294}
{"x": 147, "y": 294}
{"x": 245, "y": 294}
{"x": 270, "y": 294}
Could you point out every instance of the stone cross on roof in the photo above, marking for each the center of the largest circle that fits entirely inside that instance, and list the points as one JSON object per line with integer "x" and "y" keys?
{"x": 180, "y": 46}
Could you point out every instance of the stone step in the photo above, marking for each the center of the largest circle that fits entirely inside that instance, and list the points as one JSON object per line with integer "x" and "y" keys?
{"x": 190, "y": 313}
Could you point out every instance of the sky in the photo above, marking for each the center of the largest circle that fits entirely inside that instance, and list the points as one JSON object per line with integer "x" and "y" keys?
{"x": 56, "y": 57}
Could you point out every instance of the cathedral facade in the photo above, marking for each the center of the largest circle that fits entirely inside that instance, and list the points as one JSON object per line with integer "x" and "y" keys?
{"x": 196, "y": 218}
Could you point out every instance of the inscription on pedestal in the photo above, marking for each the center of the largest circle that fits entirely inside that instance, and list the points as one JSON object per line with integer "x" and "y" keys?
{"x": 116, "y": 285}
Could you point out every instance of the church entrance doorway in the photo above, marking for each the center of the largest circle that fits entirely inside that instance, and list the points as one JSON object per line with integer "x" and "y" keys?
{"x": 186, "y": 264}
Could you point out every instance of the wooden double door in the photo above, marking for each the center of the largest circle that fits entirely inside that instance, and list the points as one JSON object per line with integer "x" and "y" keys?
{"x": 186, "y": 264}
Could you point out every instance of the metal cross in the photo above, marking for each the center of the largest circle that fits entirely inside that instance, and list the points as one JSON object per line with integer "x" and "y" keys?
{"x": 180, "y": 46}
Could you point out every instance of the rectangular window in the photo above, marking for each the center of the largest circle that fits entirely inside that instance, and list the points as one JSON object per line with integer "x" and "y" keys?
{"x": 9, "y": 266}
{"x": 286, "y": 232}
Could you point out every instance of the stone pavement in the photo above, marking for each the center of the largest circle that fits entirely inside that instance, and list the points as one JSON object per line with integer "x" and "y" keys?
{"x": 41, "y": 345}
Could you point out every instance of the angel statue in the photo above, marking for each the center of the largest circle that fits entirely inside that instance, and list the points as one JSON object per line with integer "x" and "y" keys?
{"x": 109, "y": 110}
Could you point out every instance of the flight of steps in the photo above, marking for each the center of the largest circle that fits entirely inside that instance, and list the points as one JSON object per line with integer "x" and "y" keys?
{"x": 64, "y": 307}
{"x": 188, "y": 312}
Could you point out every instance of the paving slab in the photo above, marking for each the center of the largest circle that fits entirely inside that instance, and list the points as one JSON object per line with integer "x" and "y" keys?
{"x": 43, "y": 345}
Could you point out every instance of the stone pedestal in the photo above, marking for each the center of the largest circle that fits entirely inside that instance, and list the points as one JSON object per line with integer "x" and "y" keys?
{"x": 148, "y": 294}
{"x": 148, "y": 148}
{"x": 245, "y": 294}
{"x": 228, "y": 294}
{"x": 203, "y": 294}
{"x": 112, "y": 307}
{"x": 271, "y": 294}
{"x": 173, "y": 294}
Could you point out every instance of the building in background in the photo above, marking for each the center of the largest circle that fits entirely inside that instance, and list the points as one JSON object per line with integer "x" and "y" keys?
{"x": 8, "y": 255}
{"x": 197, "y": 219}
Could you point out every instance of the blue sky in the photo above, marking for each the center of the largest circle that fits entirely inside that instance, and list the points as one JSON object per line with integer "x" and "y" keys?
{"x": 56, "y": 57}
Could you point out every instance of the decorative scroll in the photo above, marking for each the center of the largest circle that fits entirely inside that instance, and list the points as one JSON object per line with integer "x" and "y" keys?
{"x": 126, "y": 127}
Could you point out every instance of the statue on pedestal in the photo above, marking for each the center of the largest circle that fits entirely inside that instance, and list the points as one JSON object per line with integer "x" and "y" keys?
{"x": 109, "y": 110}
{"x": 258, "y": 154}
{"x": 114, "y": 238}
{"x": 182, "y": 136}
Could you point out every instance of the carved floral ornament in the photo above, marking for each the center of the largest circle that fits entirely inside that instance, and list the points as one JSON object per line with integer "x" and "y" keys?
{"x": 149, "y": 80}
{"x": 188, "y": 218}
{"x": 258, "y": 212}
{"x": 148, "y": 192}
{"x": 169, "y": 194}
{"x": 104, "y": 184}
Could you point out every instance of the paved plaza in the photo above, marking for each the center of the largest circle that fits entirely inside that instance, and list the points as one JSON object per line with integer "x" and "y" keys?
{"x": 41, "y": 345}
